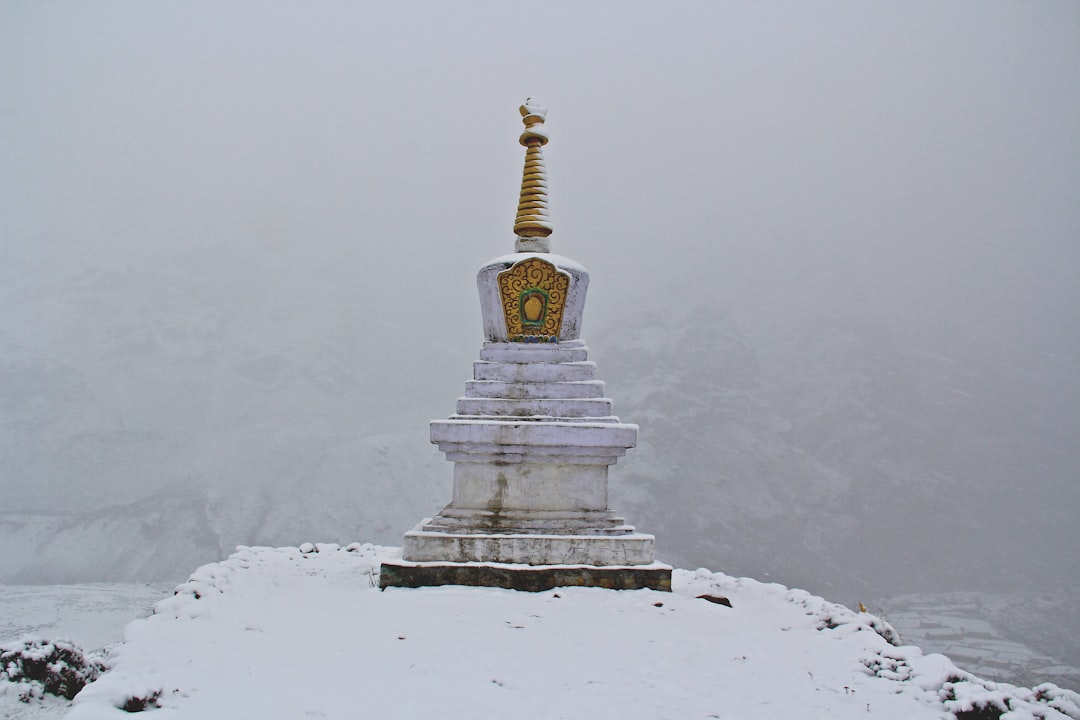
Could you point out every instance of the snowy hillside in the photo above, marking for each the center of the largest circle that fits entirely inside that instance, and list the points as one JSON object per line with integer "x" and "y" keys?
{"x": 290, "y": 633}
{"x": 839, "y": 453}
{"x": 371, "y": 486}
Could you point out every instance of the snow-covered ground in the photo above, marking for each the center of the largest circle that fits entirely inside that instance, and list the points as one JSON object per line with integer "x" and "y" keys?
{"x": 294, "y": 633}
{"x": 92, "y": 616}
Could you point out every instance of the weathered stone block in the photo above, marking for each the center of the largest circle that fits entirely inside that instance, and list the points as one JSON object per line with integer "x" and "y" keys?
{"x": 534, "y": 353}
{"x": 534, "y": 390}
{"x": 527, "y": 522}
{"x": 555, "y": 408}
{"x": 534, "y": 372}
{"x": 552, "y": 434}
{"x": 529, "y": 579}
{"x": 530, "y": 486}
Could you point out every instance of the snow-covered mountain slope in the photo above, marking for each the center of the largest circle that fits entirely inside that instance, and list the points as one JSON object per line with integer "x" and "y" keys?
{"x": 370, "y": 487}
{"x": 290, "y": 633}
{"x": 838, "y": 453}
{"x": 1019, "y": 637}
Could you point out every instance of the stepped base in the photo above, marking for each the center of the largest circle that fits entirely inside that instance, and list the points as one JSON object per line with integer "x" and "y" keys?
{"x": 621, "y": 547}
{"x": 468, "y": 521}
{"x": 530, "y": 578}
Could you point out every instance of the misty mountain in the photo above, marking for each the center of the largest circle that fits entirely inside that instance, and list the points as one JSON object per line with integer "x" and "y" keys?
{"x": 835, "y": 453}
{"x": 829, "y": 452}
{"x": 358, "y": 488}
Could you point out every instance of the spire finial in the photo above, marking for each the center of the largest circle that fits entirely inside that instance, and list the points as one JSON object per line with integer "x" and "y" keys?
{"x": 532, "y": 225}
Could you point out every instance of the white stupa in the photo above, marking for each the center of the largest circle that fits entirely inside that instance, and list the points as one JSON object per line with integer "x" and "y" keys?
{"x": 533, "y": 437}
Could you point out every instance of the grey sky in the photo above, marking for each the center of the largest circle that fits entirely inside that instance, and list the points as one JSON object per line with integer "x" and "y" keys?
{"x": 931, "y": 139}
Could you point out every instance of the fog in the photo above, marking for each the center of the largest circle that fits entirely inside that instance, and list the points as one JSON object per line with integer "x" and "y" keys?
{"x": 835, "y": 251}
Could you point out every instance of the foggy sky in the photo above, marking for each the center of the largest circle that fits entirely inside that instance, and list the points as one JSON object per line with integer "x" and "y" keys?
{"x": 329, "y": 165}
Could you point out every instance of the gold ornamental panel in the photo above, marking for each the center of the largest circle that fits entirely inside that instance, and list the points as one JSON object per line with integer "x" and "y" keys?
{"x": 533, "y": 294}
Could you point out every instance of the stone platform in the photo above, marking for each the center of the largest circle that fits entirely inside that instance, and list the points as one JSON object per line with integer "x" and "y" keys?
{"x": 584, "y": 547}
{"x": 529, "y": 578}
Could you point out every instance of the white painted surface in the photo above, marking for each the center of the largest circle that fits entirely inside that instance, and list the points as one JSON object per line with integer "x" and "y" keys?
{"x": 534, "y": 372}
{"x": 532, "y": 245}
{"x": 539, "y": 549}
{"x": 533, "y": 455}
{"x": 527, "y": 390}
{"x": 553, "y": 434}
{"x": 530, "y": 522}
{"x": 560, "y": 352}
{"x": 530, "y": 486}
{"x": 557, "y": 408}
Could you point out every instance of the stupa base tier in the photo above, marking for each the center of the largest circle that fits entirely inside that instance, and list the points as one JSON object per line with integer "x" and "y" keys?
{"x": 422, "y": 545}
{"x": 534, "y": 435}
{"x": 530, "y": 578}
{"x": 467, "y": 521}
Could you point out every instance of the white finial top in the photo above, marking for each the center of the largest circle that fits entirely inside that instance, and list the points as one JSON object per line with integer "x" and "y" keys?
{"x": 530, "y": 108}
{"x": 532, "y": 225}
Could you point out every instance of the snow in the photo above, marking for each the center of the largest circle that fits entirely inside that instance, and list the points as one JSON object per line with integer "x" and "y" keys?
{"x": 305, "y": 632}
{"x": 91, "y": 615}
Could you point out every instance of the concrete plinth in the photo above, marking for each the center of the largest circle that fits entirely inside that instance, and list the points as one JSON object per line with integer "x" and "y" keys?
{"x": 400, "y": 573}
{"x": 583, "y": 548}
{"x": 526, "y": 522}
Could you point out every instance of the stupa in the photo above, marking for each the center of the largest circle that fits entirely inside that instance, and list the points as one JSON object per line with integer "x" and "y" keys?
{"x": 533, "y": 437}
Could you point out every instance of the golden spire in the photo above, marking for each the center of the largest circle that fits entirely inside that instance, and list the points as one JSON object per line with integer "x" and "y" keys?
{"x": 532, "y": 226}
